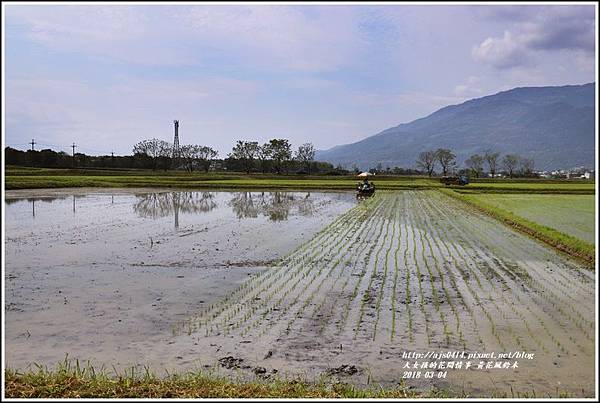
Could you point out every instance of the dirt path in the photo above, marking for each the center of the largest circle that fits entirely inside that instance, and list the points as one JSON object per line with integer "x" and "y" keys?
{"x": 410, "y": 271}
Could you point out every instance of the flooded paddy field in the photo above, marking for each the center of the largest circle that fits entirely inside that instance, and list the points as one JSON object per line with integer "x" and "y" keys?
{"x": 104, "y": 274}
{"x": 362, "y": 293}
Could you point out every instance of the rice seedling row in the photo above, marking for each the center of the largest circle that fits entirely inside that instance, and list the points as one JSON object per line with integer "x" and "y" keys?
{"x": 380, "y": 224}
{"x": 305, "y": 273}
{"x": 229, "y": 306}
{"x": 386, "y": 265}
{"x": 367, "y": 292}
{"x": 516, "y": 292}
{"x": 538, "y": 290}
{"x": 511, "y": 305}
{"x": 467, "y": 273}
{"x": 329, "y": 315}
{"x": 440, "y": 272}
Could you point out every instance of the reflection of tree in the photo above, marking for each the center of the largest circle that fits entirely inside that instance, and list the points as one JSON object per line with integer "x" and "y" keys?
{"x": 155, "y": 205}
{"x": 244, "y": 205}
{"x": 274, "y": 205}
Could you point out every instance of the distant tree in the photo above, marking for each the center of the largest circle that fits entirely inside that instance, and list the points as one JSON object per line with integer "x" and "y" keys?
{"x": 263, "y": 153}
{"x": 527, "y": 165}
{"x": 153, "y": 149}
{"x": 475, "y": 164}
{"x": 510, "y": 163}
{"x": 427, "y": 161}
{"x": 205, "y": 155}
{"x": 187, "y": 160}
{"x": 165, "y": 153}
{"x": 446, "y": 159}
{"x": 193, "y": 156}
{"x": 281, "y": 153}
{"x": 492, "y": 160}
{"x": 306, "y": 155}
{"x": 246, "y": 152}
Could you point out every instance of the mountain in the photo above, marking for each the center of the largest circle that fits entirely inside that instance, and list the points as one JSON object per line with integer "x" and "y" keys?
{"x": 553, "y": 125}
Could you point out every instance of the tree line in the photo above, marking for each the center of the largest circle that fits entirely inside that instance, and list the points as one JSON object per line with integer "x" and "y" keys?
{"x": 510, "y": 164}
{"x": 275, "y": 156}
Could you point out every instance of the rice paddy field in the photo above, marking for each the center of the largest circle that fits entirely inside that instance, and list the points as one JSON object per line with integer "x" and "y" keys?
{"x": 572, "y": 214}
{"x": 414, "y": 272}
{"x": 398, "y": 291}
{"x": 389, "y": 288}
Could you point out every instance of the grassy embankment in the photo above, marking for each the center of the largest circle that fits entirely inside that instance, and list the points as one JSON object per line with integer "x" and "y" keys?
{"x": 565, "y": 243}
{"x": 70, "y": 380}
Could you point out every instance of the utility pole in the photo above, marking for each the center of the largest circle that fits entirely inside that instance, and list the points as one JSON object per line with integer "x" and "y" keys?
{"x": 73, "y": 147}
{"x": 176, "y": 152}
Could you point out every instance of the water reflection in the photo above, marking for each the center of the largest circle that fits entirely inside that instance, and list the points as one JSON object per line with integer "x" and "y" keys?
{"x": 156, "y": 205}
{"x": 45, "y": 199}
{"x": 274, "y": 205}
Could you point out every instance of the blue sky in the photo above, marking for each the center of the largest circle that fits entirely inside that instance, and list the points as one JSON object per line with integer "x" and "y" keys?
{"x": 107, "y": 76}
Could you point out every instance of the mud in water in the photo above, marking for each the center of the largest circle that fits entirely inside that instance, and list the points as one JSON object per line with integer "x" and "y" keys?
{"x": 403, "y": 272}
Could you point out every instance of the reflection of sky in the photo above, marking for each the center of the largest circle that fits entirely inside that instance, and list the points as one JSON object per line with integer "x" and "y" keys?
{"x": 64, "y": 209}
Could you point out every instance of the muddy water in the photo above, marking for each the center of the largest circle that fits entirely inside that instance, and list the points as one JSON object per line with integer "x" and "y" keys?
{"x": 104, "y": 274}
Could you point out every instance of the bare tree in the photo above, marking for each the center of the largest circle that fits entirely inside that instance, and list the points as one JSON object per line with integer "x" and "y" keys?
{"x": 306, "y": 154}
{"x": 155, "y": 149}
{"x": 187, "y": 157}
{"x": 510, "y": 162}
{"x": 426, "y": 161}
{"x": 205, "y": 155}
{"x": 165, "y": 151}
{"x": 245, "y": 151}
{"x": 475, "y": 164}
{"x": 527, "y": 165}
{"x": 492, "y": 161}
{"x": 446, "y": 159}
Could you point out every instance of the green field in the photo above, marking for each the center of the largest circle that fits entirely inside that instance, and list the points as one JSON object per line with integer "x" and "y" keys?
{"x": 566, "y": 243}
{"x": 542, "y": 186}
{"x": 572, "y": 214}
{"x": 37, "y": 178}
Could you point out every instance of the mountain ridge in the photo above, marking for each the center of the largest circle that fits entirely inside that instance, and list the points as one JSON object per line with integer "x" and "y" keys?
{"x": 554, "y": 125}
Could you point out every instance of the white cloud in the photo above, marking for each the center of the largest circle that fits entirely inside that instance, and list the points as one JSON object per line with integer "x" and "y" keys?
{"x": 536, "y": 29}
{"x": 501, "y": 53}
